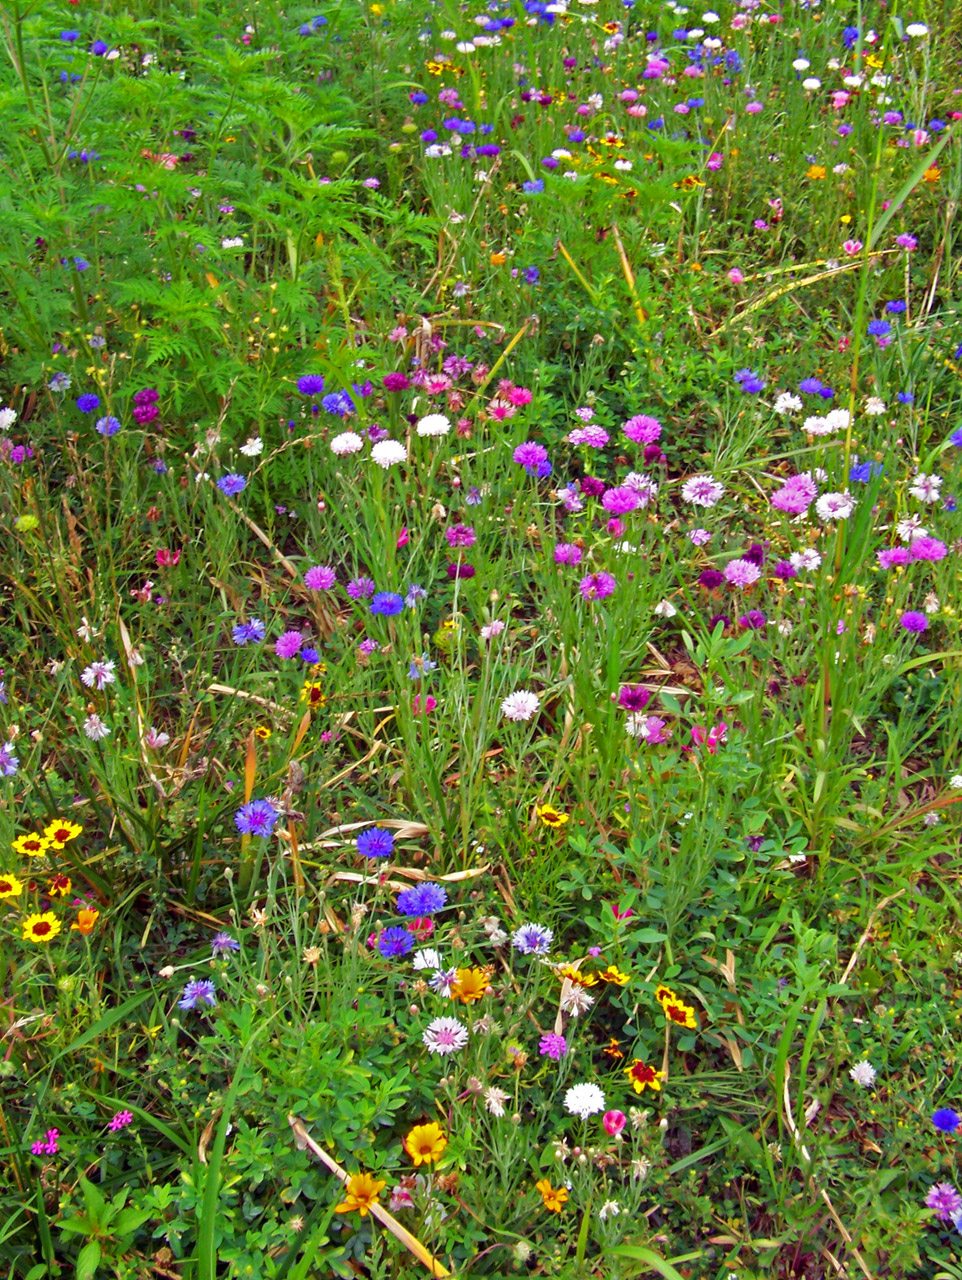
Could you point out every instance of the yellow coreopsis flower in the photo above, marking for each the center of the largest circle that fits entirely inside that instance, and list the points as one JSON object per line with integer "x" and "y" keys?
{"x": 362, "y": 1192}
{"x": 425, "y": 1143}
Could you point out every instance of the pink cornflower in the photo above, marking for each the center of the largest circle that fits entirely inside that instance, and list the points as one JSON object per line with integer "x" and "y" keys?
{"x": 552, "y": 1046}
{"x": 288, "y": 645}
{"x": 321, "y": 577}
{"x": 620, "y": 500}
{"x": 567, "y": 553}
{"x": 460, "y": 535}
{"x": 741, "y": 573}
{"x": 643, "y": 429}
{"x": 597, "y": 586}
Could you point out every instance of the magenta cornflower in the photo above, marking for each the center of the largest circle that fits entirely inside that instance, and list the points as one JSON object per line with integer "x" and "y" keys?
{"x": 396, "y": 382}
{"x": 597, "y": 586}
{"x": 944, "y": 1200}
{"x": 741, "y": 573}
{"x": 914, "y": 622}
{"x": 120, "y": 1121}
{"x": 892, "y": 556}
{"x": 553, "y": 1046}
{"x": 928, "y": 549}
{"x": 460, "y": 535}
{"x": 567, "y": 553}
{"x": 288, "y": 645}
{"x": 634, "y": 697}
{"x": 320, "y": 578}
{"x": 621, "y": 500}
{"x": 530, "y": 454}
{"x": 796, "y": 495}
{"x": 642, "y": 429}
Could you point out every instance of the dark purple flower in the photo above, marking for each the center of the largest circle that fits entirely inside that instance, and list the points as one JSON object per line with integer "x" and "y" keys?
{"x": 461, "y": 571}
{"x": 752, "y": 621}
{"x": 88, "y": 402}
{"x": 711, "y": 578}
{"x": 634, "y": 697}
{"x": 591, "y": 487}
{"x": 396, "y": 382}
{"x": 914, "y": 622}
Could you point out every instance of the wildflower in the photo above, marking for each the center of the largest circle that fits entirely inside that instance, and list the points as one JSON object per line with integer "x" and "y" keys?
{"x": 442, "y": 983}
{"x": 470, "y": 985}
{"x": 256, "y": 818}
{"x": 88, "y": 402}
{"x": 388, "y": 453}
{"x": 47, "y": 1146}
{"x": 99, "y": 673}
{"x": 422, "y": 900}
{"x": 702, "y": 490}
{"x": 532, "y": 940}
{"x": 494, "y": 1100}
{"x": 120, "y": 1121}
{"x": 395, "y": 943}
{"x": 575, "y": 1000}
{"x": 926, "y": 487}
{"x": 553, "y": 1198}
{"x": 835, "y": 506}
{"x": 433, "y": 425}
{"x": 553, "y": 1046}
{"x": 946, "y": 1120}
{"x": 567, "y": 553}
{"x": 643, "y": 1077}
{"x": 232, "y": 484}
{"x": 108, "y": 426}
{"x": 584, "y": 1100}
{"x": 425, "y": 1143}
{"x": 320, "y": 578}
{"x": 531, "y": 456}
{"x": 611, "y": 1208}
{"x": 86, "y": 920}
{"x": 10, "y": 886}
{"x": 362, "y": 1193}
{"x": 550, "y": 816}
{"x": 387, "y": 603}
{"x": 58, "y": 833}
{"x": 33, "y": 846}
{"x": 681, "y": 1014}
{"x": 346, "y": 443}
{"x": 931, "y": 549}
{"x": 650, "y": 729}
{"x": 741, "y": 573}
{"x": 288, "y": 645}
{"x": 597, "y": 586}
{"x": 310, "y": 384}
{"x": 222, "y": 944}
{"x": 40, "y": 927}
{"x": 252, "y": 632}
{"x": 944, "y": 1200}
{"x": 914, "y": 622}
{"x": 612, "y": 973}
{"x": 198, "y": 992}
{"x": 427, "y": 958}
{"x": 521, "y": 705}
{"x": 375, "y": 842}
{"x": 95, "y": 729}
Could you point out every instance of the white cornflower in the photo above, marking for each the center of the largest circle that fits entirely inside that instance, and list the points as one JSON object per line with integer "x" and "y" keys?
{"x": 801, "y": 64}
{"x": 785, "y": 627}
{"x": 95, "y": 729}
{"x": 863, "y": 1073}
{"x": 911, "y": 528}
{"x": 85, "y": 631}
{"x": 835, "y": 506}
{"x": 434, "y": 424}
{"x": 931, "y": 604}
{"x": 232, "y": 242}
{"x": 7, "y": 418}
{"x": 786, "y": 403}
{"x": 252, "y": 447}
{"x": 444, "y": 1035}
{"x": 494, "y": 1100}
{"x": 436, "y": 150}
{"x": 874, "y": 406}
{"x": 643, "y": 485}
{"x": 807, "y": 559}
{"x": 347, "y": 442}
{"x": 926, "y": 487}
{"x": 811, "y": 83}
{"x": 576, "y": 1000}
{"x": 932, "y": 819}
{"x": 838, "y": 419}
{"x": 610, "y": 1209}
{"x": 702, "y": 491}
{"x": 99, "y": 674}
{"x": 640, "y": 1169}
{"x": 388, "y": 453}
{"x": 427, "y": 958}
{"x": 955, "y": 782}
{"x": 156, "y": 738}
{"x": 916, "y": 30}
{"x": 584, "y": 1100}
{"x": 816, "y": 426}
{"x": 521, "y": 705}
{"x": 492, "y": 629}
{"x": 665, "y": 609}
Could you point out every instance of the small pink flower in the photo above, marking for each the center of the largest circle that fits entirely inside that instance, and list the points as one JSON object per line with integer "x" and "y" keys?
{"x": 403, "y": 537}
{"x": 852, "y": 247}
{"x": 614, "y": 1122}
{"x": 166, "y": 559}
{"x": 619, "y": 914}
{"x": 735, "y": 276}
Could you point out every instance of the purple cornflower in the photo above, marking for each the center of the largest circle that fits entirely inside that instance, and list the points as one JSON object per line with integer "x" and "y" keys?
{"x": 88, "y": 402}
{"x": 232, "y": 484}
{"x": 944, "y": 1200}
{"x": 320, "y": 578}
{"x": 460, "y": 535}
{"x": 619, "y": 501}
{"x": 197, "y": 993}
{"x": 592, "y": 435}
{"x": 48, "y": 1146}
{"x": 711, "y": 578}
{"x": 360, "y": 588}
{"x": 741, "y": 573}
{"x": 288, "y": 645}
{"x": 309, "y": 655}
{"x": 642, "y": 429}
{"x": 9, "y": 763}
{"x": 120, "y": 1121}
{"x": 395, "y": 942}
{"x": 634, "y": 697}
{"x": 796, "y": 495}
{"x": 914, "y": 622}
{"x": 460, "y": 570}
{"x": 552, "y": 1046}
{"x": 530, "y": 456}
{"x": 532, "y": 940}
{"x": 375, "y": 842}
{"x": 222, "y": 944}
{"x": 422, "y": 900}
{"x": 252, "y": 632}
{"x": 567, "y": 553}
{"x": 784, "y": 570}
{"x": 414, "y": 593}
{"x": 597, "y": 586}
{"x": 108, "y": 426}
{"x": 256, "y": 818}
{"x": 388, "y": 603}
{"x": 396, "y": 382}
{"x": 753, "y": 620}
{"x": 591, "y": 486}
{"x": 310, "y": 384}
{"x": 946, "y": 1120}
{"x": 928, "y": 549}
{"x": 892, "y": 556}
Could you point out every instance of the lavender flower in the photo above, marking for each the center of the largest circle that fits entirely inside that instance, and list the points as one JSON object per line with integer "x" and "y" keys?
{"x": 256, "y": 819}
{"x": 197, "y": 993}
{"x": 532, "y": 940}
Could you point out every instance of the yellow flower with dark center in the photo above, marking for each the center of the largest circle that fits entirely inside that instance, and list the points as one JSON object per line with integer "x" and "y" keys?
{"x": 663, "y": 993}
{"x": 434, "y": 68}
{"x": 40, "y": 927}
{"x": 362, "y": 1192}
{"x": 550, "y": 816}
{"x": 10, "y": 886}
{"x": 60, "y": 831}
{"x": 33, "y": 846}
{"x": 471, "y": 984}
{"x": 611, "y": 28}
{"x": 815, "y": 172}
{"x": 425, "y": 1143}
{"x": 615, "y": 975}
{"x": 313, "y": 694}
{"x": 576, "y": 976}
{"x": 643, "y": 1077}
{"x": 552, "y": 1197}
{"x": 59, "y": 885}
{"x": 689, "y": 183}
{"x": 262, "y": 732}
{"x": 86, "y": 919}
{"x": 681, "y": 1014}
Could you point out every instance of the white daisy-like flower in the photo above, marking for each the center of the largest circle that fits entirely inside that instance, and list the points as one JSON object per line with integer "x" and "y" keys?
{"x": 665, "y": 609}
{"x": 99, "y": 674}
{"x": 252, "y": 446}
{"x": 816, "y": 426}
{"x": 610, "y": 1209}
{"x": 926, "y": 487}
{"x": 7, "y": 418}
{"x": 916, "y": 30}
{"x": 584, "y": 1100}
{"x": 575, "y": 1000}
{"x": 494, "y": 1100}
{"x": 911, "y": 528}
{"x": 95, "y": 729}
{"x": 427, "y": 958}
{"x": 521, "y": 705}
{"x": 874, "y": 406}
{"x": 702, "y": 491}
{"x": 232, "y": 242}
{"x": 955, "y": 782}
{"x": 863, "y": 1073}
{"x": 838, "y": 419}
{"x": 835, "y": 506}
{"x": 444, "y": 1035}
{"x": 785, "y": 403}
{"x": 388, "y": 453}
{"x": 807, "y": 559}
{"x": 811, "y": 83}
{"x": 347, "y": 442}
{"x": 434, "y": 424}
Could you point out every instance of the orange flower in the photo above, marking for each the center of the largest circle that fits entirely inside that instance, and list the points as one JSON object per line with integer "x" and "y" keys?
{"x": 471, "y": 985}
{"x": 613, "y": 1051}
{"x": 362, "y": 1193}
{"x": 86, "y": 919}
{"x": 553, "y": 1197}
{"x": 425, "y": 1143}
{"x": 643, "y": 1077}
{"x": 498, "y": 259}
{"x": 816, "y": 171}
{"x": 932, "y": 173}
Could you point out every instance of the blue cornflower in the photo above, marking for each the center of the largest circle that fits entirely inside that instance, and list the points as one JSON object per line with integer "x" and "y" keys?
{"x": 850, "y": 37}
{"x": 311, "y": 384}
{"x": 751, "y": 383}
{"x": 864, "y": 471}
{"x": 318, "y": 22}
{"x": 905, "y": 397}
{"x": 310, "y": 656}
{"x": 59, "y": 381}
{"x": 9, "y": 763}
{"x": 69, "y": 37}
{"x": 879, "y": 328}
{"x": 956, "y": 438}
{"x": 422, "y": 900}
{"x": 429, "y": 136}
{"x": 256, "y": 818}
{"x": 946, "y": 1120}
{"x": 375, "y": 842}
{"x": 387, "y": 602}
{"x": 108, "y": 426}
{"x": 252, "y": 632}
{"x": 99, "y": 48}
{"x": 533, "y": 188}
{"x": 810, "y": 386}
{"x": 895, "y": 307}
{"x": 531, "y": 275}
{"x": 339, "y": 403}
{"x": 395, "y": 942}
{"x": 232, "y": 484}
{"x": 197, "y": 993}
{"x": 533, "y": 940}
{"x": 418, "y": 98}
{"x": 222, "y": 944}
{"x": 827, "y": 393}
{"x": 420, "y": 666}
